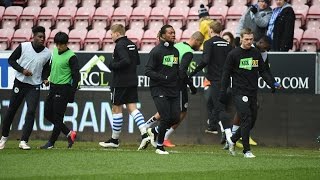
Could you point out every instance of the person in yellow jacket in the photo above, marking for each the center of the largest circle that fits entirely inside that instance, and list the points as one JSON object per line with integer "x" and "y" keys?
{"x": 204, "y": 23}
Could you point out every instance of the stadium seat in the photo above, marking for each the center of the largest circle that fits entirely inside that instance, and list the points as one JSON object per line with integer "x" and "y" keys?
{"x": 149, "y": 40}
{"x": 158, "y": 17}
{"x": 186, "y": 34}
{"x": 35, "y": 2}
{"x": 139, "y": 17}
{"x": 301, "y": 14}
{"x": 219, "y": 13}
{"x": 83, "y": 17}
{"x": 193, "y": 14}
{"x": 71, "y": 3}
{"x": 2, "y": 9}
{"x": 53, "y": 3}
{"x": 94, "y": 38}
{"x": 166, "y": 3}
{"x": 296, "y": 39}
{"x": 65, "y": 17}
{"x": 89, "y": 3}
{"x": 310, "y": 40}
{"x": 106, "y": 3}
{"x": 233, "y": 16}
{"x": 221, "y": 2}
{"x": 5, "y": 38}
{"x": 47, "y": 16}
{"x": 177, "y": 16}
{"x": 121, "y": 15}
{"x": 19, "y": 2}
{"x": 19, "y": 36}
{"x": 76, "y": 39}
{"x": 107, "y": 43}
{"x": 125, "y": 3}
{"x": 50, "y": 42}
{"x": 315, "y": 2}
{"x": 298, "y": 2}
{"x": 143, "y": 3}
{"x": 196, "y": 3}
{"x": 240, "y": 2}
{"x": 178, "y": 34}
{"x": 182, "y": 3}
{"x": 313, "y": 17}
{"x": 135, "y": 35}
{"x": 101, "y": 18}
{"x": 11, "y": 16}
{"x": 29, "y": 16}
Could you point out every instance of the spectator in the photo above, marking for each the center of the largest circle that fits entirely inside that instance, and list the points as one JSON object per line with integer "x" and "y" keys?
{"x": 281, "y": 27}
{"x": 228, "y": 36}
{"x": 204, "y": 23}
{"x": 256, "y": 18}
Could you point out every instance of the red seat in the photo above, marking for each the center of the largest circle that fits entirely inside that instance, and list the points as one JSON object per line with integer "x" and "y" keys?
{"x": 76, "y": 39}
{"x": 19, "y": 2}
{"x": 296, "y": 39}
{"x": 144, "y": 3}
{"x": 158, "y": 16}
{"x": 315, "y": 2}
{"x": 166, "y": 3}
{"x": 47, "y": 16}
{"x": 139, "y": 17}
{"x": 89, "y": 3}
{"x": 221, "y": 2}
{"x": 310, "y": 40}
{"x": 182, "y": 3}
{"x": 177, "y": 17}
{"x": 298, "y": 2}
{"x": 240, "y": 2}
{"x": 233, "y": 16}
{"x": 313, "y": 17}
{"x": 219, "y": 13}
{"x": 83, "y": 17}
{"x": 11, "y": 16}
{"x": 72, "y": 3}
{"x": 107, "y": 43}
{"x": 94, "y": 38}
{"x": 149, "y": 40}
{"x": 121, "y": 15}
{"x": 301, "y": 14}
{"x": 197, "y": 3}
{"x": 102, "y": 16}
{"x": 125, "y": 3}
{"x": 2, "y": 9}
{"x": 50, "y": 42}
{"x": 29, "y": 16}
{"x": 53, "y": 3}
{"x": 107, "y": 3}
{"x": 193, "y": 14}
{"x": 35, "y": 2}
{"x": 187, "y": 34}
{"x": 65, "y": 17}
{"x": 135, "y": 35}
{"x": 20, "y": 35}
{"x": 5, "y": 38}
{"x": 178, "y": 34}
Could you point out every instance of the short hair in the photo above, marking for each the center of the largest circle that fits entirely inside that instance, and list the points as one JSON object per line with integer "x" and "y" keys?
{"x": 245, "y": 31}
{"x": 163, "y": 29}
{"x": 197, "y": 36}
{"x": 118, "y": 28}
{"x": 216, "y": 26}
{"x": 61, "y": 38}
{"x": 38, "y": 29}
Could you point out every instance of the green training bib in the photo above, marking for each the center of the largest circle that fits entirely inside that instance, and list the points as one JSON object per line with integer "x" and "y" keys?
{"x": 168, "y": 60}
{"x": 246, "y": 63}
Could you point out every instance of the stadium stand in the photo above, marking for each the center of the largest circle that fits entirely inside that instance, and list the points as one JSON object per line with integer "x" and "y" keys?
{"x": 47, "y": 16}
{"x": 139, "y": 17}
{"x": 11, "y": 16}
{"x": 135, "y": 35}
{"x": 106, "y": 3}
{"x": 53, "y": 3}
{"x": 158, "y": 17}
{"x": 89, "y": 3}
{"x": 29, "y": 16}
{"x": 218, "y": 12}
{"x": 93, "y": 41}
{"x": 177, "y": 17}
{"x": 310, "y": 40}
{"x": 102, "y": 17}
{"x": 83, "y": 17}
{"x": 71, "y": 3}
{"x": 37, "y": 3}
{"x": 121, "y": 15}
{"x": 19, "y": 36}
{"x": 2, "y": 9}
{"x": 65, "y": 17}
{"x": 5, "y": 38}
{"x": 145, "y": 3}
{"x": 164, "y": 3}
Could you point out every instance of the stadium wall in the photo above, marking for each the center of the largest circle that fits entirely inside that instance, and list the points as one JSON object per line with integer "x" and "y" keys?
{"x": 288, "y": 118}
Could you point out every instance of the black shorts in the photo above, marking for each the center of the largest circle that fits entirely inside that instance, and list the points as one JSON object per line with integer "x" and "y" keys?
{"x": 124, "y": 95}
{"x": 184, "y": 99}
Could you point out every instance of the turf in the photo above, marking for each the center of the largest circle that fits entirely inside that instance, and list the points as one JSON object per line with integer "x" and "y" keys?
{"x": 86, "y": 160}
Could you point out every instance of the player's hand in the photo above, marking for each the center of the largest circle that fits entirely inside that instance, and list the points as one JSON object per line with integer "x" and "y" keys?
{"x": 46, "y": 82}
{"x": 276, "y": 86}
{"x": 26, "y": 72}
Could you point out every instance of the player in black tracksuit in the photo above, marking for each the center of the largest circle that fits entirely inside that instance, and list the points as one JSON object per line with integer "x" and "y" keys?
{"x": 243, "y": 64}
{"x": 163, "y": 70}
{"x": 215, "y": 51}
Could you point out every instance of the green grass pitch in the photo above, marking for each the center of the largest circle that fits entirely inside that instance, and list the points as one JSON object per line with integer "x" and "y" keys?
{"x": 86, "y": 160}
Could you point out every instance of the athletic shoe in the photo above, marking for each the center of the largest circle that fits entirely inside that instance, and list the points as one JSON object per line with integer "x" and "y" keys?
{"x": 252, "y": 142}
{"x": 111, "y": 143}
{"x": 48, "y": 145}
{"x": 161, "y": 150}
{"x": 167, "y": 143}
{"x": 226, "y": 146}
{"x": 211, "y": 131}
{"x": 239, "y": 144}
{"x": 3, "y": 141}
{"x": 152, "y": 137}
{"x": 71, "y": 138}
{"x": 24, "y": 146}
{"x": 231, "y": 144}
{"x": 223, "y": 138}
{"x": 249, "y": 154}
{"x": 145, "y": 141}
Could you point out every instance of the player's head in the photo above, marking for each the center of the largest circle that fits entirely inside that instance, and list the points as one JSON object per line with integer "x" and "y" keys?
{"x": 167, "y": 33}
{"x": 246, "y": 38}
{"x": 203, "y": 12}
{"x": 263, "y": 44}
{"x": 61, "y": 40}
{"x": 196, "y": 40}
{"x": 38, "y": 35}
{"x": 215, "y": 27}
{"x": 117, "y": 31}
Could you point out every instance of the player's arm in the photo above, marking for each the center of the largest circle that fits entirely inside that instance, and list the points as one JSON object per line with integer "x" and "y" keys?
{"x": 124, "y": 57}
{"x": 46, "y": 72}
{"x": 205, "y": 58}
{"x": 151, "y": 66}
{"x": 265, "y": 73}
{"x": 185, "y": 62}
{"x": 75, "y": 74}
{"x": 14, "y": 57}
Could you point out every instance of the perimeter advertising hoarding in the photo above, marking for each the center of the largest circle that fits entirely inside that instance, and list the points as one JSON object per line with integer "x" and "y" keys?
{"x": 91, "y": 116}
